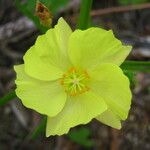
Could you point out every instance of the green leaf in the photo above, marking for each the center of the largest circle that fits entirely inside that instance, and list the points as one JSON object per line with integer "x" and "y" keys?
{"x": 55, "y": 5}
{"x": 81, "y": 136}
{"x": 131, "y": 77}
{"x": 136, "y": 66}
{"x": 7, "y": 98}
{"x": 39, "y": 129}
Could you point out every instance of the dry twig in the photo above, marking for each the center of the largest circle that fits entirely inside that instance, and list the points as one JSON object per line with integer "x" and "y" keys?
{"x": 118, "y": 9}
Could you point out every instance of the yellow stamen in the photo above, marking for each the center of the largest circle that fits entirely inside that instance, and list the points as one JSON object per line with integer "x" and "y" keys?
{"x": 75, "y": 81}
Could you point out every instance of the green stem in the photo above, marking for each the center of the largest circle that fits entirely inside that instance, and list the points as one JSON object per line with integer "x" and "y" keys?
{"x": 136, "y": 66}
{"x": 84, "y": 16}
{"x": 39, "y": 129}
{"x": 7, "y": 98}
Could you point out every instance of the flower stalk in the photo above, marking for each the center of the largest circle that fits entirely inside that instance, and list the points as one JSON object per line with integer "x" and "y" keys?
{"x": 84, "y": 16}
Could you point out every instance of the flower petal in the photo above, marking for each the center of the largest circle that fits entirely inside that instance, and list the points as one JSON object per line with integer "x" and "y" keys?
{"x": 109, "y": 82}
{"x": 48, "y": 58}
{"x": 110, "y": 119}
{"x": 89, "y": 48}
{"x": 46, "y": 97}
{"x": 78, "y": 110}
{"x": 40, "y": 68}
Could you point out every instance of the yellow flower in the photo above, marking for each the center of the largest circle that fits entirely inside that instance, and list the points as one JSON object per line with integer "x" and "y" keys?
{"x": 73, "y": 77}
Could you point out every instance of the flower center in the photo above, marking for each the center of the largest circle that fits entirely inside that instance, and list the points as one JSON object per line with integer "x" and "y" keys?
{"x": 74, "y": 81}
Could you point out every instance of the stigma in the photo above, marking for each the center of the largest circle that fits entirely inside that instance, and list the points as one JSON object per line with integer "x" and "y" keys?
{"x": 74, "y": 81}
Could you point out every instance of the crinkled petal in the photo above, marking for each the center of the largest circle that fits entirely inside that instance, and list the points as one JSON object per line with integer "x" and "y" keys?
{"x": 46, "y": 97}
{"x": 110, "y": 119}
{"x": 89, "y": 48}
{"x": 48, "y": 58}
{"x": 108, "y": 81}
{"x": 78, "y": 110}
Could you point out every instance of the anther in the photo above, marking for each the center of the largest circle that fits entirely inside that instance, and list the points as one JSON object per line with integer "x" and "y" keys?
{"x": 75, "y": 81}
